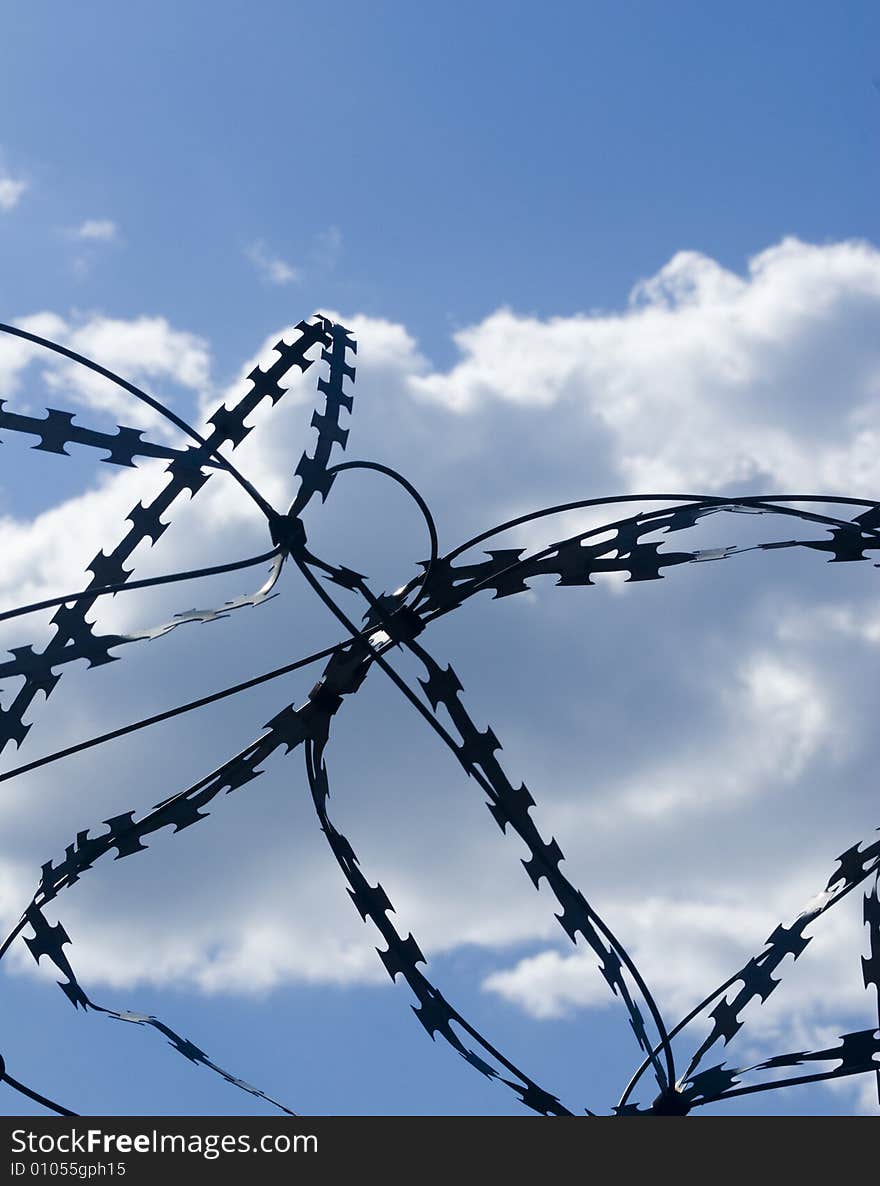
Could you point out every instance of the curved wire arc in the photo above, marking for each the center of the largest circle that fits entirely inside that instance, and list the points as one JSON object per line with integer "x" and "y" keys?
{"x": 150, "y": 400}
{"x": 146, "y": 583}
{"x": 431, "y": 1000}
{"x": 417, "y": 499}
{"x": 168, "y": 714}
{"x": 446, "y": 737}
{"x": 367, "y": 646}
{"x": 35, "y": 1096}
{"x": 688, "y": 499}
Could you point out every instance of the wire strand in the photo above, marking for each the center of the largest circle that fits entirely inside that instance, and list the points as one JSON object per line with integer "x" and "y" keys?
{"x": 145, "y": 583}
{"x": 151, "y": 401}
{"x": 146, "y": 722}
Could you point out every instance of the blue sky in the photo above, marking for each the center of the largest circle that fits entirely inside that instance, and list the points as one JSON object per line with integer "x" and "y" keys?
{"x": 479, "y": 190}
{"x": 472, "y": 156}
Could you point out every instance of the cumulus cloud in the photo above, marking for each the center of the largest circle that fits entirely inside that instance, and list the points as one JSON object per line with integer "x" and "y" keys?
{"x": 144, "y": 350}
{"x": 708, "y": 378}
{"x": 688, "y": 942}
{"x": 271, "y": 268}
{"x": 702, "y": 747}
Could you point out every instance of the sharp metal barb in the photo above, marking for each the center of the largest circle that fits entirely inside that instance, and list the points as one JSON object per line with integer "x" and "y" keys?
{"x": 56, "y": 430}
{"x": 74, "y": 635}
{"x": 145, "y": 583}
{"x": 636, "y": 546}
{"x": 402, "y": 955}
{"x": 871, "y": 963}
{"x": 857, "y": 1053}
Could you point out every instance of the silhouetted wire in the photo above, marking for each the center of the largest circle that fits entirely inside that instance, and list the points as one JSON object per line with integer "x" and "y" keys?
{"x": 203, "y": 701}
{"x": 763, "y": 503}
{"x": 773, "y": 1084}
{"x": 145, "y": 583}
{"x": 707, "y": 1000}
{"x": 152, "y": 402}
{"x": 449, "y": 741}
{"x": 146, "y": 722}
{"x": 317, "y": 477}
{"x": 696, "y": 502}
{"x": 768, "y": 504}
{"x": 313, "y": 751}
{"x": 198, "y": 785}
{"x": 314, "y": 760}
{"x": 684, "y": 499}
{"x": 664, "y": 1046}
{"x": 35, "y": 1096}
{"x": 411, "y": 645}
{"x": 416, "y": 497}
{"x": 302, "y": 565}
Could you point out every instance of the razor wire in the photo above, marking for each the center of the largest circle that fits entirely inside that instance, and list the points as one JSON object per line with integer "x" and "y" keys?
{"x": 393, "y": 624}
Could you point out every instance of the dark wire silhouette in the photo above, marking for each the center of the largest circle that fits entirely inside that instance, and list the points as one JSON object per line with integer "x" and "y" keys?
{"x": 395, "y": 621}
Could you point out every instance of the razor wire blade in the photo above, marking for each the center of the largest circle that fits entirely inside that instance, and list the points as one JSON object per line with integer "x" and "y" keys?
{"x": 392, "y": 623}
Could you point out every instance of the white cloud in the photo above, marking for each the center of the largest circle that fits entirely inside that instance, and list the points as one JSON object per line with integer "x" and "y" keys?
{"x": 701, "y": 747}
{"x": 777, "y": 716}
{"x": 144, "y": 350}
{"x": 16, "y": 354}
{"x": 11, "y": 191}
{"x": 149, "y": 345}
{"x": 12, "y": 187}
{"x": 272, "y": 269}
{"x": 96, "y": 230}
{"x": 687, "y": 943}
{"x": 709, "y": 378}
